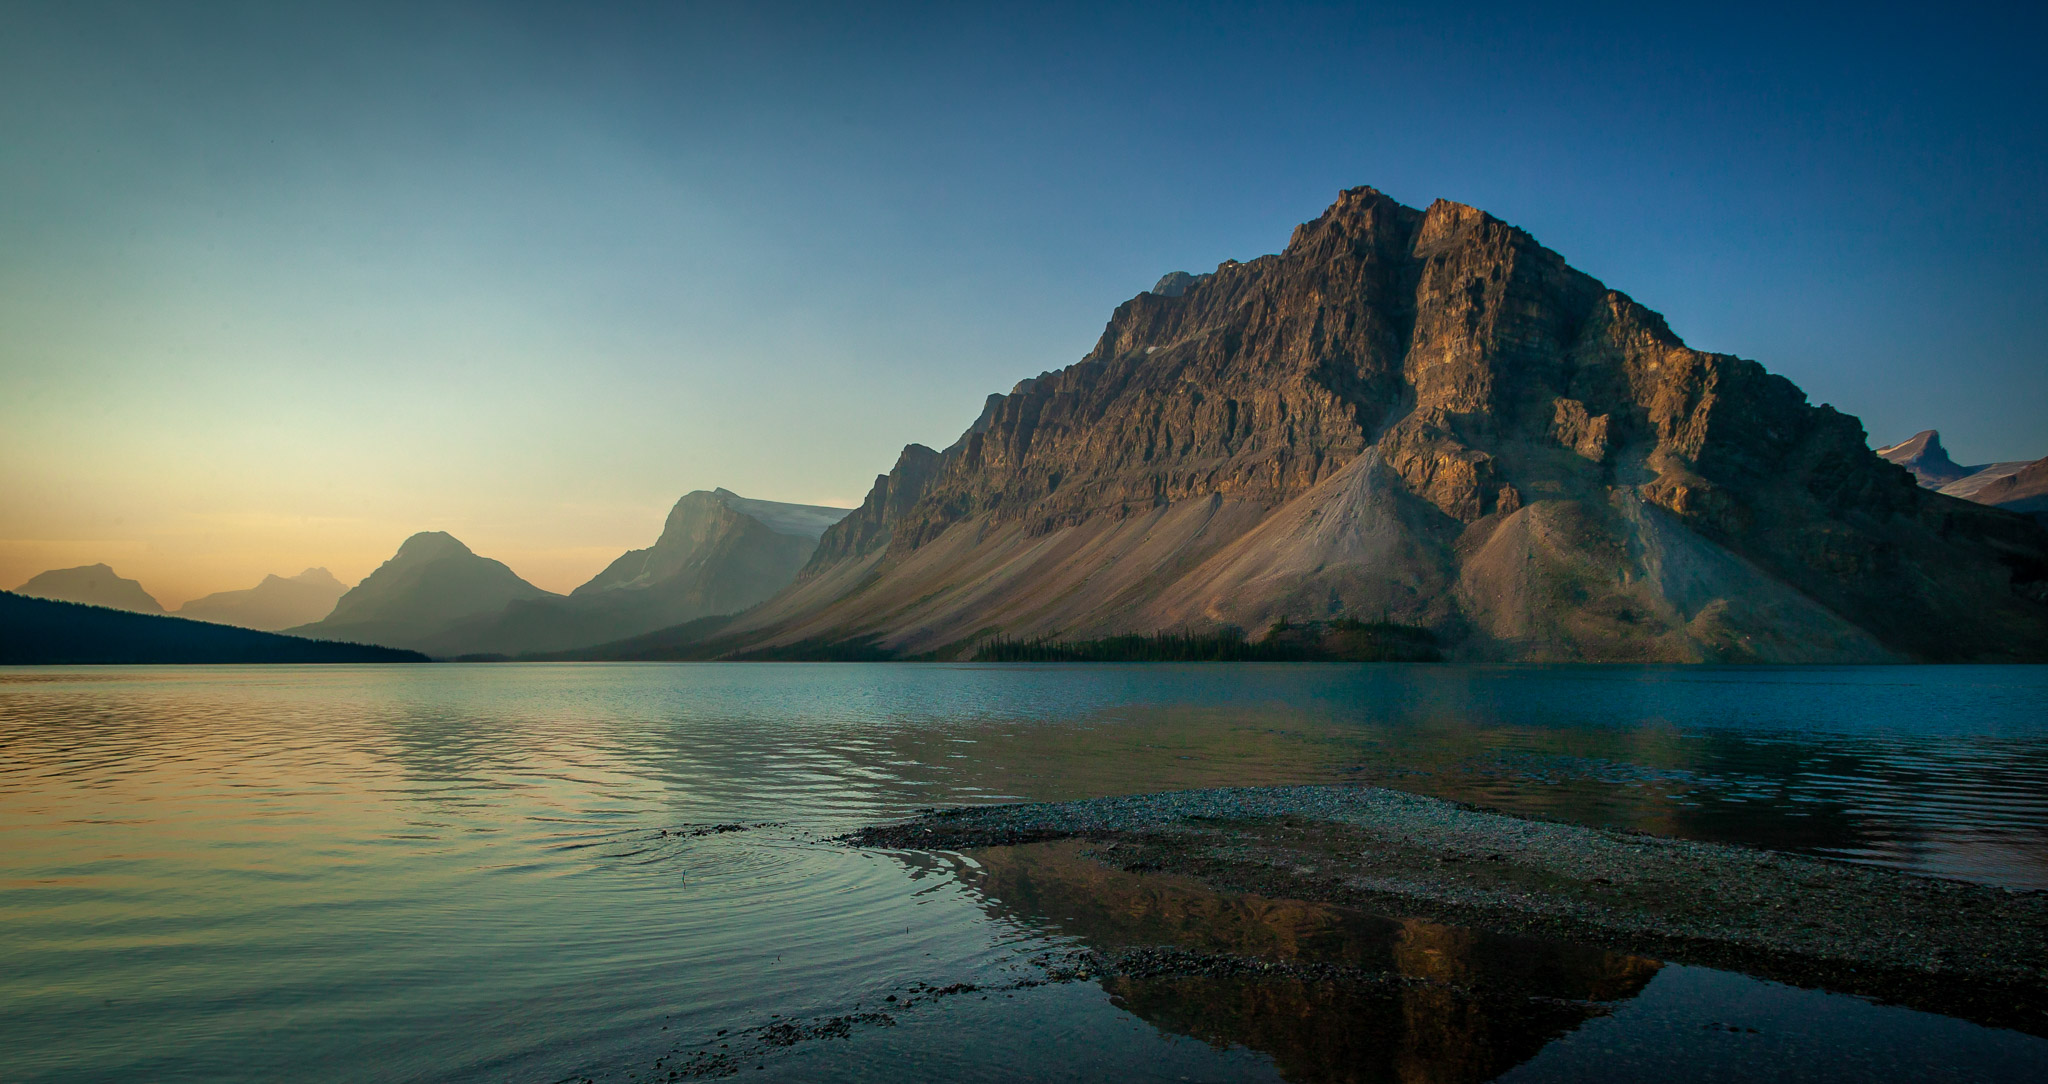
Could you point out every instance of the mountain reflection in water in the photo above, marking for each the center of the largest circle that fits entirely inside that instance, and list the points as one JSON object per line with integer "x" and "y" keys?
{"x": 1357, "y": 996}
{"x": 482, "y": 873}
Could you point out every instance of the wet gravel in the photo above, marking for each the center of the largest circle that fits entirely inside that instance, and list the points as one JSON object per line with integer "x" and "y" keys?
{"x": 1961, "y": 949}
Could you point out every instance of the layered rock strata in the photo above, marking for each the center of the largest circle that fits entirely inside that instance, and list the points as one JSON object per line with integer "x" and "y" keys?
{"x": 1420, "y": 416}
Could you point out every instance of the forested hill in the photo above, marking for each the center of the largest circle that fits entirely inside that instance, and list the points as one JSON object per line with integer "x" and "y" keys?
{"x": 35, "y": 631}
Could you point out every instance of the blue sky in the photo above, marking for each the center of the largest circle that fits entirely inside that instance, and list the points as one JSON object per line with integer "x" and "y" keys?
{"x": 281, "y": 284}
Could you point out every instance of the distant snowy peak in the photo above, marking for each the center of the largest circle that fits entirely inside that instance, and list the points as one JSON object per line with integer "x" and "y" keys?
{"x": 1923, "y": 454}
{"x": 805, "y": 520}
{"x": 1930, "y": 463}
{"x": 705, "y": 528}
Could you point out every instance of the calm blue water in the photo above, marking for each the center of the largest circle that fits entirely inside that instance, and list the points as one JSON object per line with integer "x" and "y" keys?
{"x": 551, "y": 872}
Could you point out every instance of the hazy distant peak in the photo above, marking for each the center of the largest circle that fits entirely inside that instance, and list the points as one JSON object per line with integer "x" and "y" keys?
{"x": 312, "y": 577}
{"x": 429, "y": 544}
{"x": 805, "y": 520}
{"x": 277, "y": 602}
{"x": 755, "y": 545}
{"x": 431, "y": 584}
{"x": 95, "y": 585}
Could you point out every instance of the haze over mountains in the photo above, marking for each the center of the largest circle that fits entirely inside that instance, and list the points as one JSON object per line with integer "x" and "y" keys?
{"x": 718, "y": 553}
{"x": 93, "y": 585}
{"x": 1424, "y": 416}
{"x": 278, "y": 602}
{"x": 432, "y": 582}
{"x": 273, "y": 604}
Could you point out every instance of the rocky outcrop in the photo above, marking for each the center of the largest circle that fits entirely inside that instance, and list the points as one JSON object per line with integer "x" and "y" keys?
{"x": 870, "y": 527}
{"x": 1175, "y": 283}
{"x": 94, "y": 585}
{"x": 276, "y": 603}
{"x": 1423, "y": 416}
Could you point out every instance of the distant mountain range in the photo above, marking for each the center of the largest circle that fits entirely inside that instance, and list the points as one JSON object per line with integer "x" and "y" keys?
{"x": 1414, "y": 429}
{"x": 2018, "y": 486}
{"x": 37, "y": 631}
{"x": 93, "y": 585}
{"x": 718, "y": 553}
{"x": 276, "y": 603}
{"x": 1414, "y": 417}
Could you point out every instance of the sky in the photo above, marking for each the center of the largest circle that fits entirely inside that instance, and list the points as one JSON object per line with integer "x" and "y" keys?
{"x": 281, "y": 284}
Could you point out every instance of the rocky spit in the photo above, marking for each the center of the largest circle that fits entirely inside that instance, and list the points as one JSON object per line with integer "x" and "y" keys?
{"x": 1960, "y": 949}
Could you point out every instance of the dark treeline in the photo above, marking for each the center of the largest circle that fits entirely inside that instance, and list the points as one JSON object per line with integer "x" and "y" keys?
{"x": 37, "y": 631}
{"x": 1340, "y": 640}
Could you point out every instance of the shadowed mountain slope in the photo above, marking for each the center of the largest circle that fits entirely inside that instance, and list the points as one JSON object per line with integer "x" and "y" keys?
{"x": 718, "y": 553}
{"x": 93, "y": 585}
{"x": 276, "y": 603}
{"x": 433, "y": 583}
{"x": 42, "y": 632}
{"x": 1424, "y": 417}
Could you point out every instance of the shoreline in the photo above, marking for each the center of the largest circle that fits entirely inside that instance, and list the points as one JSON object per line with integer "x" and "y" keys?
{"x": 1950, "y": 947}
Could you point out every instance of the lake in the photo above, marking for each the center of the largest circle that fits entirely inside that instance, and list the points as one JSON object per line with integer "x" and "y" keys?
{"x": 622, "y": 872}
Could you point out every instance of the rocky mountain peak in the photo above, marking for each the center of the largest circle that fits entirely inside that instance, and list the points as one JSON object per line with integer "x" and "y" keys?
{"x": 1446, "y": 220}
{"x": 1440, "y": 376}
{"x": 871, "y": 526}
{"x": 1923, "y": 454}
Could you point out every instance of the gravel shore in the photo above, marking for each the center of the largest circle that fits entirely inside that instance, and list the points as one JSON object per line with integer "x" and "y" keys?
{"x": 1943, "y": 946}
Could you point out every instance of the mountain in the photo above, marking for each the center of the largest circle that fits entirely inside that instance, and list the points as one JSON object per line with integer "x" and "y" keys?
{"x": 718, "y": 553}
{"x": 276, "y": 603}
{"x": 433, "y": 583}
{"x": 2024, "y": 490}
{"x": 1970, "y": 486}
{"x": 1923, "y": 454}
{"x": 42, "y": 632}
{"x": 1930, "y": 464}
{"x": 1421, "y": 417}
{"x": 94, "y": 585}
